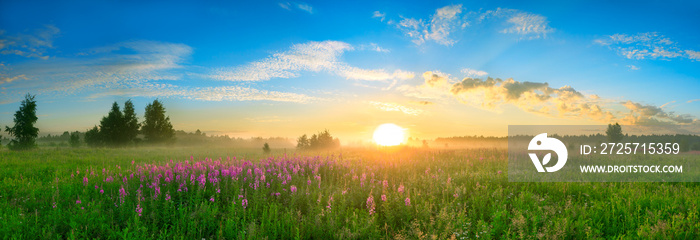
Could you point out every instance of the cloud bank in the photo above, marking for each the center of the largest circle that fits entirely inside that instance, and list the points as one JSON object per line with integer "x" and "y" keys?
{"x": 540, "y": 98}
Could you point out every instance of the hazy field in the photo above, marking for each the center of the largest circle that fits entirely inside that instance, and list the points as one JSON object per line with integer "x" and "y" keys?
{"x": 195, "y": 193}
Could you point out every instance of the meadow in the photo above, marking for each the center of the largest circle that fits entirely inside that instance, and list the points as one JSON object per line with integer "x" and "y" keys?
{"x": 390, "y": 193}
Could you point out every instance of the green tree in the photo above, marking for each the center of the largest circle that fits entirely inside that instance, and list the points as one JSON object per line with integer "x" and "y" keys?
{"x": 322, "y": 140}
{"x": 24, "y": 131}
{"x": 64, "y": 137}
{"x": 266, "y": 148}
{"x": 157, "y": 128}
{"x": 614, "y": 133}
{"x": 93, "y": 138}
{"x": 303, "y": 142}
{"x": 112, "y": 127}
{"x": 131, "y": 122}
{"x": 75, "y": 139}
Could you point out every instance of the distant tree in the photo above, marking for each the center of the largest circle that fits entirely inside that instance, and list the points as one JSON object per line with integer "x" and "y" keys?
{"x": 695, "y": 147}
{"x": 75, "y": 139}
{"x": 266, "y": 148}
{"x": 65, "y": 136}
{"x": 425, "y": 143}
{"x": 313, "y": 141}
{"x": 684, "y": 145}
{"x": 131, "y": 123}
{"x": 24, "y": 131}
{"x": 112, "y": 127}
{"x": 93, "y": 138}
{"x": 157, "y": 127}
{"x": 303, "y": 142}
{"x": 322, "y": 140}
{"x": 614, "y": 133}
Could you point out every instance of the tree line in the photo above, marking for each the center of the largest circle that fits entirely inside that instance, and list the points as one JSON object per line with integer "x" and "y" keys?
{"x": 122, "y": 128}
{"x": 119, "y": 128}
{"x": 322, "y": 140}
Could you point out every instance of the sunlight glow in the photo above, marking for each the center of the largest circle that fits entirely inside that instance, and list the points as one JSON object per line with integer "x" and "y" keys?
{"x": 389, "y": 134}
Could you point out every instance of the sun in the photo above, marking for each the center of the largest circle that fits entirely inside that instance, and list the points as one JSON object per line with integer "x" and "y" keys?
{"x": 389, "y": 134}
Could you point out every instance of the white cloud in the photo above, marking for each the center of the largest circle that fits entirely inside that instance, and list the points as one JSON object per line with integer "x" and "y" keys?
{"x": 299, "y": 5}
{"x": 305, "y": 7}
{"x": 633, "y": 67}
{"x": 474, "y": 73}
{"x": 449, "y": 21}
{"x": 5, "y": 79}
{"x": 147, "y": 69}
{"x": 29, "y": 45}
{"x": 379, "y": 15}
{"x": 395, "y": 107}
{"x": 374, "y": 47}
{"x": 528, "y": 25}
{"x": 650, "y": 45}
{"x": 695, "y": 55}
{"x": 311, "y": 56}
{"x": 445, "y": 21}
{"x": 285, "y": 5}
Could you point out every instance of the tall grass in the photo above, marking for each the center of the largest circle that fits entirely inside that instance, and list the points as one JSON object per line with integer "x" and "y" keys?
{"x": 195, "y": 193}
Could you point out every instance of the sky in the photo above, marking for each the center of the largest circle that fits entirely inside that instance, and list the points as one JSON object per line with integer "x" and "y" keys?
{"x": 286, "y": 68}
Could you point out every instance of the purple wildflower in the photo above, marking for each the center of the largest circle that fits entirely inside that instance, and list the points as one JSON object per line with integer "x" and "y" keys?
{"x": 244, "y": 203}
{"x": 293, "y": 189}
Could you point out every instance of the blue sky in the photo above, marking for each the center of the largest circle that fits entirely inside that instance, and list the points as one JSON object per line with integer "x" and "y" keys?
{"x": 283, "y": 68}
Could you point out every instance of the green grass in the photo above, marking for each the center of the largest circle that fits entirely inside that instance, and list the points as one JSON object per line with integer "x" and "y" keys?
{"x": 453, "y": 194}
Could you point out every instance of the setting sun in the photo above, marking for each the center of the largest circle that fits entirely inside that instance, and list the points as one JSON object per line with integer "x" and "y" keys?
{"x": 389, "y": 134}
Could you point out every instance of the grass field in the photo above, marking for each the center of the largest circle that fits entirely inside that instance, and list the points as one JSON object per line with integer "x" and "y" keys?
{"x": 195, "y": 193}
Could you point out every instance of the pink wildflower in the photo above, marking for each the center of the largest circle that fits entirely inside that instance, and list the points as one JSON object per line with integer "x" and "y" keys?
{"x": 407, "y": 201}
{"x": 244, "y": 203}
{"x": 139, "y": 209}
{"x": 293, "y": 189}
{"x": 383, "y": 198}
{"x": 370, "y": 204}
{"x": 401, "y": 188}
